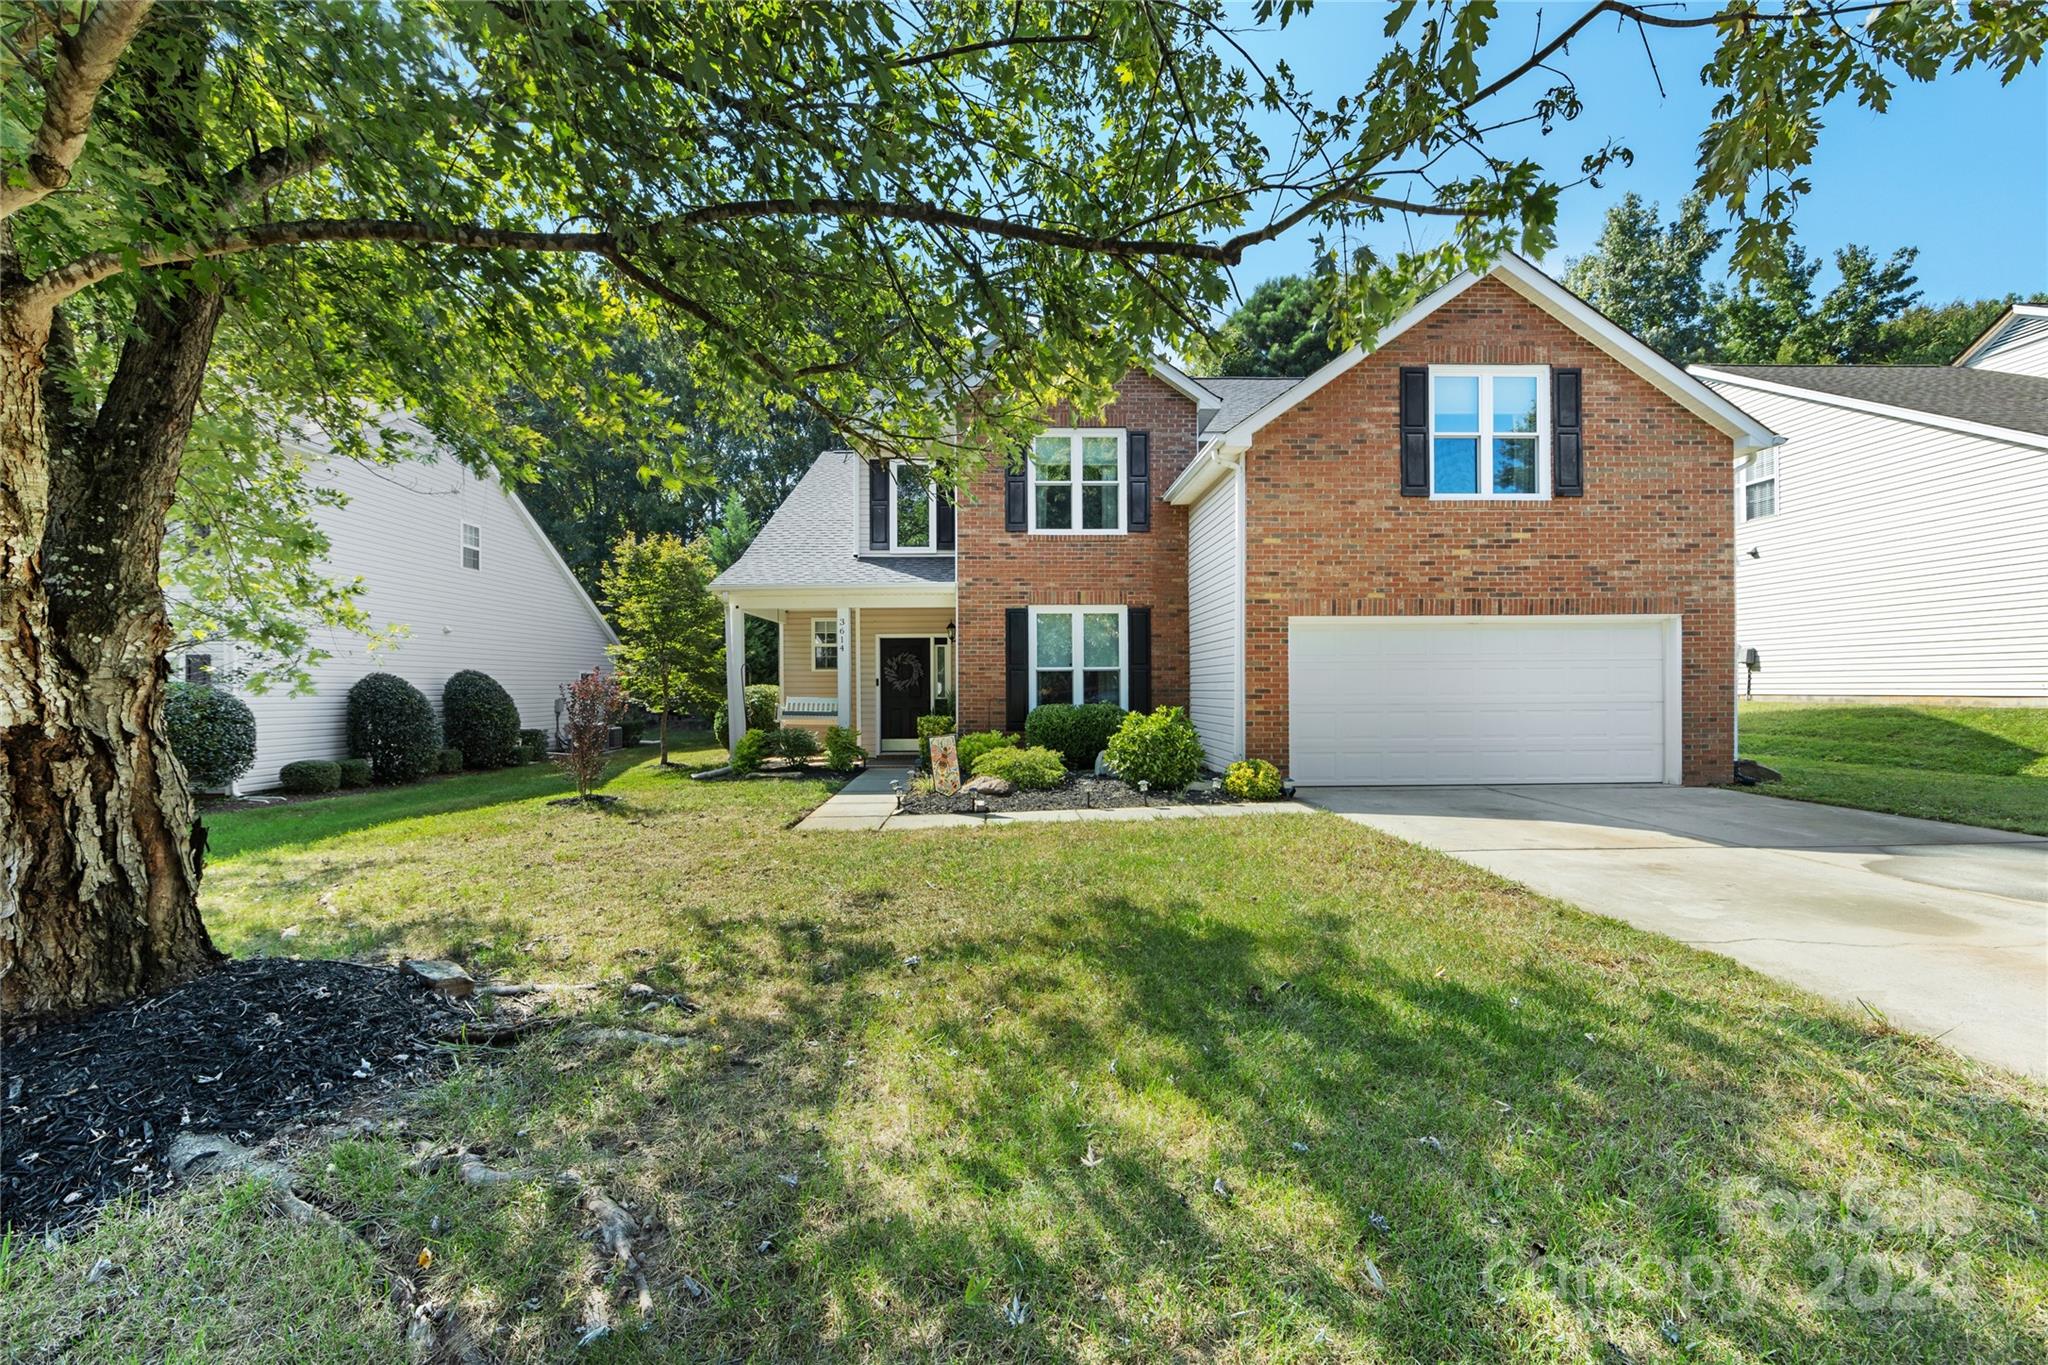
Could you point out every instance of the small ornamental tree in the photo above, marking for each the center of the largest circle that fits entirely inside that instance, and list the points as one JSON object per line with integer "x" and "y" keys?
{"x": 589, "y": 707}
{"x": 671, "y": 645}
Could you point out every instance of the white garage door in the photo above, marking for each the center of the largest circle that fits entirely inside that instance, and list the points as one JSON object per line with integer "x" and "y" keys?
{"x": 1396, "y": 700}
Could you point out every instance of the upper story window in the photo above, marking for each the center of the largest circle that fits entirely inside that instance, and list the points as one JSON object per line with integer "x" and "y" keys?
{"x": 824, "y": 644}
{"x": 1077, "y": 483}
{"x": 472, "y": 546}
{"x": 1077, "y": 655}
{"x": 1489, "y": 431}
{"x": 1759, "y": 480}
{"x": 913, "y": 508}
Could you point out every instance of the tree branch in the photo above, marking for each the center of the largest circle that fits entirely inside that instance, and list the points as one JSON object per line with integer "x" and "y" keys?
{"x": 268, "y": 169}
{"x": 84, "y": 62}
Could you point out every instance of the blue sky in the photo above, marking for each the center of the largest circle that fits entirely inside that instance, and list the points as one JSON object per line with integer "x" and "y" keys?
{"x": 1958, "y": 167}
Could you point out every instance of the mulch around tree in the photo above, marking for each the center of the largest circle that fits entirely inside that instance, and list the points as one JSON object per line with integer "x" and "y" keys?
{"x": 245, "y": 1050}
{"x": 1078, "y": 792}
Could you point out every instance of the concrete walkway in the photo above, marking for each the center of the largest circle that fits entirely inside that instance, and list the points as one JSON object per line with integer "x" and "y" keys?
{"x": 1943, "y": 928}
{"x": 869, "y": 802}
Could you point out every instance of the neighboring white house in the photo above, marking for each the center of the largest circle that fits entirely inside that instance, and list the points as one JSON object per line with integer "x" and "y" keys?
{"x": 1896, "y": 544}
{"x": 457, "y": 562}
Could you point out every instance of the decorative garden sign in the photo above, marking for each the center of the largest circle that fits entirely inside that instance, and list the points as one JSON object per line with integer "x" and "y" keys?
{"x": 946, "y": 764}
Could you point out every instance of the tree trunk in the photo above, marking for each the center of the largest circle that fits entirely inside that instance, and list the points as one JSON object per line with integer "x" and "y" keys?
{"x": 98, "y": 842}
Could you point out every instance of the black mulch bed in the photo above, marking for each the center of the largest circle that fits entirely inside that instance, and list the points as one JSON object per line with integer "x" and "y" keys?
{"x": 248, "y": 1048}
{"x": 1078, "y": 792}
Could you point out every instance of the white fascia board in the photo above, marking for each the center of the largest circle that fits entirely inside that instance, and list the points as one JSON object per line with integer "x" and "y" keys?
{"x": 1211, "y": 463}
{"x": 561, "y": 565}
{"x": 1914, "y": 416}
{"x": 816, "y": 598}
{"x": 1998, "y": 325}
{"x": 1181, "y": 382}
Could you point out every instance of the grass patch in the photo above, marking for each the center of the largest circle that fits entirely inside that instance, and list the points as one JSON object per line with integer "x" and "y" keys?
{"x": 1148, "y": 1091}
{"x": 1980, "y": 765}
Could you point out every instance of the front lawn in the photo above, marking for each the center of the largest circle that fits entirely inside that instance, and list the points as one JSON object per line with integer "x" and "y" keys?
{"x": 1233, "y": 1090}
{"x": 1978, "y": 765}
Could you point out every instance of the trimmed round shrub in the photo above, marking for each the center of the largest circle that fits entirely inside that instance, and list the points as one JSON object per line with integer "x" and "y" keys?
{"x": 1029, "y": 769}
{"x": 310, "y": 775}
{"x": 764, "y": 708}
{"x": 842, "y": 749}
{"x": 391, "y": 723}
{"x": 1161, "y": 750}
{"x": 213, "y": 733}
{"x": 480, "y": 718}
{"x": 1077, "y": 733}
{"x": 980, "y": 742}
{"x": 355, "y": 772}
{"x": 790, "y": 741}
{"x": 449, "y": 760}
{"x": 1252, "y": 779}
{"x": 750, "y": 751}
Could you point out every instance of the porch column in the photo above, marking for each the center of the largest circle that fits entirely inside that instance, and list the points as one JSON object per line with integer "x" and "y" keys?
{"x": 845, "y": 638}
{"x": 735, "y": 674}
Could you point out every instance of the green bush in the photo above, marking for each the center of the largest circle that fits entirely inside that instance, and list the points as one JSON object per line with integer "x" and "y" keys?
{"x": 533, "y": 746}
{"x": 213, "y": 733}
{"x": 842, "y": 749}
{"x": 355, "y": 772}
{"x": 630, "y": 732}
{"x": 790, "y": 741}
{"x": 748, "y": 753}
{"x": 391, "y": 723}
{"x": 310, "y": 775}
{"x": 764, "y": 707}
{"x": 1079, "y": 733}
{"x": 1030, "y": 769}
{"x": 980, "y": 742}
{"x": 1252, "y": 780}
{"x": 1161, "y": 750}
{"x": 480, "y": 718}
{"x": 939, "y": 723}
{"x": 449, "y": 760}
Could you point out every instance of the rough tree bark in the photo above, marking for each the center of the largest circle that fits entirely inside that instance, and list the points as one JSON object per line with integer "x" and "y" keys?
{"x": 99, "y": 875}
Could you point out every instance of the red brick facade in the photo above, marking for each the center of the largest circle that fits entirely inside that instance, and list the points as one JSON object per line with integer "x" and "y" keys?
{"x": 999, "y": 569}
{"x": 1328, "y": 533}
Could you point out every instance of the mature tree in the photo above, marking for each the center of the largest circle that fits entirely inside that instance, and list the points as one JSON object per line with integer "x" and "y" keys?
{"x": 919, "y": 222}
{"x": 1281, "y": 328}
{"x": 1778, "y": 321}
{"x": 1935, "y": 334}
{"x": 725, "y": 542}
{"x": 671, "y": 630}
{"x": 1650, "y": 276}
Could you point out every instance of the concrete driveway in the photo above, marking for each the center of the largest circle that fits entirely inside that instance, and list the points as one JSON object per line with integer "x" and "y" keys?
{"x": 1942, "y": 927}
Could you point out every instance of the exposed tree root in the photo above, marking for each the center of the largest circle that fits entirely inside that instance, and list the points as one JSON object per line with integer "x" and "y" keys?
{"x": 536, "y": 987}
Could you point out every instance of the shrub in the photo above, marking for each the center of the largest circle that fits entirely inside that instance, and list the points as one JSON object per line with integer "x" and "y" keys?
{"x": 479, "y": 718}
{"x": 355, "y": 772}
{"x": 980, "y": 742}
{"x": 589, "y": 707}
{"x": 391, "y": 723}
{"x": 1161, "y": 750}
{"x": 1252, "y": 780}
{"x": 764, "y": 706}
{"x": 630, "y": 732}
{"x": 310, "y": 775}
{"x": 1079, "y": 733}
{"x": 842, "y": 749}
{"x": 748, "y": 753}
{"x": 449, "y": 760}
{"x": 789, "y": 741}
{"x": 533, "y": 746}
{"x": 1030, "y": 769}
{"x": 938, "y": 723}
{"x": 213, "y": 733}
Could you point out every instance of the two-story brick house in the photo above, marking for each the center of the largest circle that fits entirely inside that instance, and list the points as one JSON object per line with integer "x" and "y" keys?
{"x": 1495, "y": 548}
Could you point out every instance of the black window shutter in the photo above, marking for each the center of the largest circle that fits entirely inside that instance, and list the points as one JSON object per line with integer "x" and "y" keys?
{"x": 878, "y": 504}
{"x": 1138, "y": 683}
{"x": 1013, "y": 499}
{"x": 1414, "y": 431}
{"x": 1567, "y": 446}
{"x": 1016, "y": 666}
{"x": 1138, "y": 480}
{"x": 945, "y": 518}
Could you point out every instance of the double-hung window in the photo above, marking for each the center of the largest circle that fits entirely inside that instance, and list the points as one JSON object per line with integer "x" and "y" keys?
{"x": 913, "y": 507}
{"x": 1760, "y": 485}
{"x": 472, "y": 546}
{"x": 1489, "y": 431}
{"x": 1077, "y": 483}
{"x": 824, "y": 644}
{"x": 1077, "y": 655}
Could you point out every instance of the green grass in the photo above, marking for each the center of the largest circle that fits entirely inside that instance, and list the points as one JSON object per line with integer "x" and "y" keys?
{"x": 1287, "y": 1006}
{"x": 1980, "y": 765}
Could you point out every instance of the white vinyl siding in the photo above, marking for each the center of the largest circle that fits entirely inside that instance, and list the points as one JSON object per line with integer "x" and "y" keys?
{"x": 2021, "y": 347}
{"x": 517, "y": 616}
{"x": 1904, "y": 560}
{"x": 1216, "y": 622}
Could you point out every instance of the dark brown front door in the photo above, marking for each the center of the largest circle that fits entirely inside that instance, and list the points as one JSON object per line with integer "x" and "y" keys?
{"x": 906, "y": 685}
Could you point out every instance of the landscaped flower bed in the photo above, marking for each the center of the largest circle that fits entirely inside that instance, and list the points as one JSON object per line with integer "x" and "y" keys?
{"x": 1077, "y": 792}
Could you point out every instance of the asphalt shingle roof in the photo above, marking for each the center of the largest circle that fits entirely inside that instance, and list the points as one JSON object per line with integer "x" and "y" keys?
{"x": 1242, "y": 396}
{"x": 2017, "y": 402}
{"x": 809, "y": 541}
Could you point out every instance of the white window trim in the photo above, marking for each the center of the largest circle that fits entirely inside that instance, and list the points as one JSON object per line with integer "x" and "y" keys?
{"x": 1748, "y": 480}
{"x": 1123, "y": 650}
{"x": 830, "y": 629}
{"x": 931, "y": 514}
{"x": 1541, "y": 374}
{"x": 1073, "y": 482}
{"x": 467, "y": 546}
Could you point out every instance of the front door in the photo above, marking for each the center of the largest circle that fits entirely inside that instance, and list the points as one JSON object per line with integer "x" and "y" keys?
{"x": 906, "y": 689}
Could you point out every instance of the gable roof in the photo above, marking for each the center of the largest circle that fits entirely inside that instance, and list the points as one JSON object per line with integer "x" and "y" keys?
{"x": 1982, "y": 402}
{"x": 1241, "y": 395}
{"x": 1568, "y": 308}
{"x": 809, "y": 541}
{"x": 2020, "y": 322}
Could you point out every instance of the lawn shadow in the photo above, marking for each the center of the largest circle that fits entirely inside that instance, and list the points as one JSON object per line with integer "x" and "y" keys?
{"x": 1886, "y": 737}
